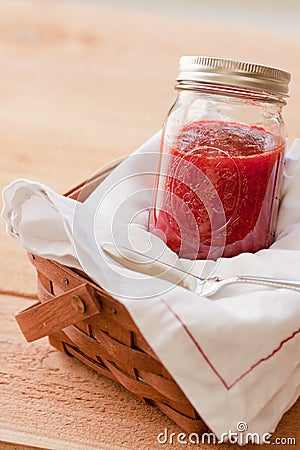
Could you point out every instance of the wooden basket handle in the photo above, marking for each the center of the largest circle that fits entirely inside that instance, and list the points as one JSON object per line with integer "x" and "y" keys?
{"x": 58, "y": 313}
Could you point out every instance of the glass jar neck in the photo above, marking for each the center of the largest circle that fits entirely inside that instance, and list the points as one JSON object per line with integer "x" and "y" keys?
{"x": 232, "y": 91}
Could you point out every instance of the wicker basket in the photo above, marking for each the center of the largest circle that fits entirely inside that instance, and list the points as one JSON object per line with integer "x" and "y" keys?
{"x": 84, "y": 321}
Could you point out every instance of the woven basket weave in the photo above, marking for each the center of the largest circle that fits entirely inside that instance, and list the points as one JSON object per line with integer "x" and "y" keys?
{"x": 84, "y": 321}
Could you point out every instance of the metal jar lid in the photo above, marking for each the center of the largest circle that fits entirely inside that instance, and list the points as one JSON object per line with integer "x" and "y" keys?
{"x": 228, "y": 72}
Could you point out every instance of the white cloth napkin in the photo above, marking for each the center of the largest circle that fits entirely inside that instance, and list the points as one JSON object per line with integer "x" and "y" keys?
{"x": 236, "y": 355}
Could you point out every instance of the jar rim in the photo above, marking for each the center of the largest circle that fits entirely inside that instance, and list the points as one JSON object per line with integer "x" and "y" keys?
{"x": 229, "y": 72}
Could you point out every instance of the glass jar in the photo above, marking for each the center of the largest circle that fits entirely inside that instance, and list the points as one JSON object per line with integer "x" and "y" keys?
{"x": 221, "y": 160}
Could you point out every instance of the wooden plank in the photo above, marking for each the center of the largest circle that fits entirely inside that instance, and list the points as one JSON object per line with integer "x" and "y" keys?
{"x": 15, "y": 440}
{"x": 14, "y": 446}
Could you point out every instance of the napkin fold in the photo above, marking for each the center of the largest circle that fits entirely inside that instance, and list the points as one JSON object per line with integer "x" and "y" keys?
{"x": 236, "y": 356}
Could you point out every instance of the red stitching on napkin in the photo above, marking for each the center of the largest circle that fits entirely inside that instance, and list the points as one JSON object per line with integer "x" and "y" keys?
{"x": 197, "y": 345}
{"x": 266, "y": 357}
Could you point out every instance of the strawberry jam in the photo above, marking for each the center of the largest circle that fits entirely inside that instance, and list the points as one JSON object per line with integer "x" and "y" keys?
{"x": 220, "y": 194}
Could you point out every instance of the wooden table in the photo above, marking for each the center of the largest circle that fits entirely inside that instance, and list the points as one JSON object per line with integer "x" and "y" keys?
{"x": 80, "y": 85}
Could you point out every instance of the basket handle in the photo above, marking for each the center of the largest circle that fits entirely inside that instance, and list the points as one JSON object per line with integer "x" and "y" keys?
{"x": 59, "y": 312}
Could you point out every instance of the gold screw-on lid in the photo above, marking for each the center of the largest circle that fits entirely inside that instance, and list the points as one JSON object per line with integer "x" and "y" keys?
{"x": 230, "y": 72}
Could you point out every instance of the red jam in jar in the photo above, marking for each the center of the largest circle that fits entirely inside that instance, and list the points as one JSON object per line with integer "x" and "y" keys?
{"x": 218, "y": 184}
{"x": 242, "y": 163}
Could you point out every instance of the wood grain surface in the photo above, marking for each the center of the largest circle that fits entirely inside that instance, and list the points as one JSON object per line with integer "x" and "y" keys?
{"x": 82, "y": 84}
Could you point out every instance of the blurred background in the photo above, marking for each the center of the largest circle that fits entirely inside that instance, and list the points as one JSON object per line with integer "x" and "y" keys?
{"x": 267, "y": 14}
{"x": 91, "y": 80}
